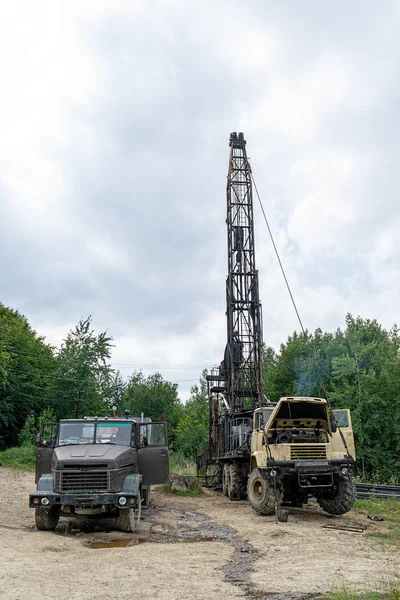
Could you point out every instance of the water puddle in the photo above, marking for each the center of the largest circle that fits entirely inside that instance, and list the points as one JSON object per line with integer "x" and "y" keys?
{"x": 199, "y": 539}
{"x": 117, "y": 543}
{"x": 110, "y": 544}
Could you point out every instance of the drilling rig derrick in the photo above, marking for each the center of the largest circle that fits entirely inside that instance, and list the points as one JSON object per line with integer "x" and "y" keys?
{"x": 235, "y": 387}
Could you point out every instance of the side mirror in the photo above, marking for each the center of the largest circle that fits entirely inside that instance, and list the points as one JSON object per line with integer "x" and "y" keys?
{"x": 38, "y": 440}
{"x": 145, "y": 441}
{"x": 333, "y": 425}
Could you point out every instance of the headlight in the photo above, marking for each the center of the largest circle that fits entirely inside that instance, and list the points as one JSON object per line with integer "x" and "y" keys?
{"x": 45, "y": 501}
{"x": 122, "y": 501}
{"x": 345, "y": 470}
{"x": 273, "y": 472}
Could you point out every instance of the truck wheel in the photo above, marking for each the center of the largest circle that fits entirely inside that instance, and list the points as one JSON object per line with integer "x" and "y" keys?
{"x": 129, "y": 518}
{"x": 226, "y": 475}
{"x": 262, "y": 495}
{"x": 340, "y": 498}
{"x": 46, "y": 519}
{"x": 237, "y": 483}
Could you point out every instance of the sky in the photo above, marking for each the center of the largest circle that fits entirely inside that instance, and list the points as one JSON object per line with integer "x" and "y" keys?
{"x": 115, "y": 119}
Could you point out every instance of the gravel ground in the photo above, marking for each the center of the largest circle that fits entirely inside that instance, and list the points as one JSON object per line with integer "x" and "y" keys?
{"x": 196, "y": 548}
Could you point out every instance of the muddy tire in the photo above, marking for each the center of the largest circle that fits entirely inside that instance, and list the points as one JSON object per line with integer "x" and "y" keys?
{"x": 237, "y": 488}
{"x": 129, "y": 518}
{"x": 226, "y": 477}
{"x": 340, "y": 498}
{"x": 262, "y": 496}
{"x": 46, "y": 519}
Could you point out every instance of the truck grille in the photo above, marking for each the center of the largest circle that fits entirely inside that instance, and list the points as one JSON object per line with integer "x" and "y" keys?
{"x": 303, "y": 451}
{"x": 87, "y": 481}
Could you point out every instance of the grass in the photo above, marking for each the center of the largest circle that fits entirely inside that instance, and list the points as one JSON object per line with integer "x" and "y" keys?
{"x": 389, "y": 509}
{"x": 191, "y": 493}
{"x": 391, "y": 593}
{"x": 179, "y": 466}
{"x": 22, "y": 458}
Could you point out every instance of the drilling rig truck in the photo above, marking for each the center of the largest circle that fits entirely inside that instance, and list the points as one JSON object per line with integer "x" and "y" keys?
{"x": 271, "y": 453}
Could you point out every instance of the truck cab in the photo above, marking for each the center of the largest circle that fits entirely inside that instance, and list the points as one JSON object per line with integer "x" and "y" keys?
{"x": 300, "y": 449}
{"x": 106, "y": 465}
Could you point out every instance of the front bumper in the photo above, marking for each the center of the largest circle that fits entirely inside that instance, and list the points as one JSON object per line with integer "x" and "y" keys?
{"x": 310, "y": 473}
{"x": 82, "y": 500}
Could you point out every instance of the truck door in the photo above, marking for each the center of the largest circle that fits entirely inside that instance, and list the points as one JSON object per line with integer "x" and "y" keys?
{"x": 45, "y": 446}
{"x": 343, "y": 420}
{"x": 153, "y": 453}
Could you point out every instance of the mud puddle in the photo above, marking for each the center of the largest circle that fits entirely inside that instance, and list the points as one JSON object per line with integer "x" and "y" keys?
{"x": 117, "y": 543}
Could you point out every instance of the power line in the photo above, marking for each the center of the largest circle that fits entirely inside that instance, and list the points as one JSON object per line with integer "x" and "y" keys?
{"x": 47, "y": 376}
{"x": 29, "y": 395}
{"x": 135, "y": 366}
{"x": 74, "y": 379}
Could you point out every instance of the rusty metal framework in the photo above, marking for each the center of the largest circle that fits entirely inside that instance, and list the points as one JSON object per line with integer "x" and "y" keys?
{"x": 235, "y": 387}
{"x": 242, "y": 358}
{"x": 240, "y": 377}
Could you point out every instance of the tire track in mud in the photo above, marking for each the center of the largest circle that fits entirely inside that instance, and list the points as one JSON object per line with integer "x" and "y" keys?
{"x": 238, "y": 570}
{"x": 165, "y": 525}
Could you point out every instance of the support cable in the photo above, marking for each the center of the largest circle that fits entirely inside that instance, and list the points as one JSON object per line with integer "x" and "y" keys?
{"x": 317, "y": 369}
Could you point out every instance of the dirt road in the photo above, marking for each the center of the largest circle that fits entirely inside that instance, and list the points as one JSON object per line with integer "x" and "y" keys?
{"x": 194, "y": 548}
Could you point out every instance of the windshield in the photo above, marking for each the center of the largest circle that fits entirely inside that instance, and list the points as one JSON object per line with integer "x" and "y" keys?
{"x": 267, "y": 412}
{"x": 342, "y": 418}
{"x": 104, "y": 432}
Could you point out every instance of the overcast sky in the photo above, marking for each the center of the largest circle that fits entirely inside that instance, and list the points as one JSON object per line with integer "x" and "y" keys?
{"x": 114, "y": 125}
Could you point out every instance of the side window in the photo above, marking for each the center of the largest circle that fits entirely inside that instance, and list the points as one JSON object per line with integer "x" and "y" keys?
{"x": 153, "y": 434}
{"x": 257, "y": 420}
{"x": 342, "y": 418}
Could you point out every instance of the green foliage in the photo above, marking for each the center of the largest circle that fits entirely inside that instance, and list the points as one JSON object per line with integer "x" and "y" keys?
{"x": 26, "y": 366}
{"x": 179, "y": 465}
{"x": 26, "y": 436}
{"x": 83, "y": 378}
{"x": 155, "y": 398}
{"x": 360, "y": 370}
{"x": 20, "y": 457}
{"x": 189, "y": 492}
{"x": 389, "y": 509}
{"x": 192, "y": 429}
{"x": 391, "y": 592}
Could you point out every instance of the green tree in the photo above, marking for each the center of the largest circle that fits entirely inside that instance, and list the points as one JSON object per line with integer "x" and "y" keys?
{"x": 26, "y": 366}
{"x": 359, "y": 369}
{"x": 155, "y": 398}
{"x": 193, "y": 426}
{"x": 83, "y": 374}
{"x": 366, "y": 379}
{"x": 115, "y": 391}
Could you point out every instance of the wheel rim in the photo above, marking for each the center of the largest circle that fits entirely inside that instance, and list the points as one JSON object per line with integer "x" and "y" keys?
{"x": 257, "y": 489}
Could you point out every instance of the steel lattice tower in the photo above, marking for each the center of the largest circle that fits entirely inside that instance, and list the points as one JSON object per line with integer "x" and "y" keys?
{"x": 242, "y": 359}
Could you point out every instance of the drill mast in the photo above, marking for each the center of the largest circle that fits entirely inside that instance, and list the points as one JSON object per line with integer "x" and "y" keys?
{"x": 242, "y": 359}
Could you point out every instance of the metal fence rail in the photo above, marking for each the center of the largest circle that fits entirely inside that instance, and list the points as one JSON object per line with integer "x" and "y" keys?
{"x": 369, "y": 490}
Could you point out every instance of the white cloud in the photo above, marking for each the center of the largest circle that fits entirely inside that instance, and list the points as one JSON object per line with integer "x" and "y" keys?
{"x": 114, "y": 120}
